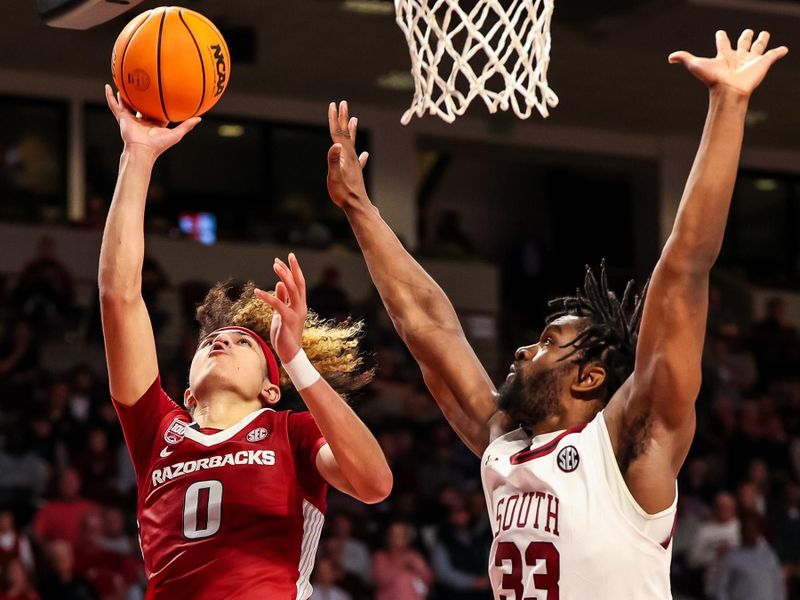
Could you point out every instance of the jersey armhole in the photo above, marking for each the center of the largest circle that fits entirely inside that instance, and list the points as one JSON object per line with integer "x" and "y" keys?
{"x": 656, "y": 527}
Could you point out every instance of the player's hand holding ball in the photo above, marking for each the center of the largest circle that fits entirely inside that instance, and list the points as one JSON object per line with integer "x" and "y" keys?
{"x": 140, "y": 133}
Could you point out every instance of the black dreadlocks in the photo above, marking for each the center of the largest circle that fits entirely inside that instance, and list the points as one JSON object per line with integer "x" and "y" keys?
{"x": 612, "y": 331}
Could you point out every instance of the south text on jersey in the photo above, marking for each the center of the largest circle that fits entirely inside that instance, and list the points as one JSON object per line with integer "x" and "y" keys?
{"x": 527, "y": 510}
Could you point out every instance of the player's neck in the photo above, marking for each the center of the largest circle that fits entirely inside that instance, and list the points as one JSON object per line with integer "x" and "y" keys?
{"x": 561, "y": 421}
{"x": 223, "y": 410}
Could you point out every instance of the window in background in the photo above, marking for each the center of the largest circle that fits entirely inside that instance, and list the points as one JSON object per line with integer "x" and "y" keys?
{"x": 763, "y": 234}
{"x": 33, "y": 160}
{"x": 259, "y": 181}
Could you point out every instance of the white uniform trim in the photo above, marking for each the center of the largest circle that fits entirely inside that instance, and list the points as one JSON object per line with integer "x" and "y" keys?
{"x": 656, "y": 527}
{"x": 313, "y": 521}
{"x": 225, "y": 434}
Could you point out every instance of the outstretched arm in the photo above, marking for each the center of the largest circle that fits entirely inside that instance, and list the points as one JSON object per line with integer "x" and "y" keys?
{"x": 654, "y": 414}
{"x": 128, "y": 334}
{"x": 421, "y": 312}
{"x": 351, "y": 461}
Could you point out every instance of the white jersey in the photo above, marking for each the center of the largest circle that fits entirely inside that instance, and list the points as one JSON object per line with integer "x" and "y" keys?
{"x": 561, "y": 528}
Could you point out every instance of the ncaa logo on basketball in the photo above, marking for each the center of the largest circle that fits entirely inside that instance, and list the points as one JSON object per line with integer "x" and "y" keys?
{"x": 568, "y": 459}
{"x": 257, "y": 435}
{"x": 221, "y": 68}
{"x": 175, "y": 432}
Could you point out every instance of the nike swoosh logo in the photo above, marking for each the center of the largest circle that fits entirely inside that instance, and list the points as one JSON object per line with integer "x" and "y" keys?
{"x": 165, "y": 452}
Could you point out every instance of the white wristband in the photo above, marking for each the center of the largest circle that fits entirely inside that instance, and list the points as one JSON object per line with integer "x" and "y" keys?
{"x": 301, "y": 371}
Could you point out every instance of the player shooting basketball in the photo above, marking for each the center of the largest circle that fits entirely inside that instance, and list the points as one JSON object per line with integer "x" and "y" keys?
{"x": 231, "y": 492}
{"x": 582, "y": 444}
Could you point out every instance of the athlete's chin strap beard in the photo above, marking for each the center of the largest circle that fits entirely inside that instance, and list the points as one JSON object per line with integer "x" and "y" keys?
{"x": 529, "y": 402}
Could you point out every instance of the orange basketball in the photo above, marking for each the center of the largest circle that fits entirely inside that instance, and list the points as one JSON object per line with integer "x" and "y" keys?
{"x": 170, "y": 63}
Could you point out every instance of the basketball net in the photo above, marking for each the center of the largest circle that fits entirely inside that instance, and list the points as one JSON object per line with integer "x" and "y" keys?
{"x": 496, "y": 49}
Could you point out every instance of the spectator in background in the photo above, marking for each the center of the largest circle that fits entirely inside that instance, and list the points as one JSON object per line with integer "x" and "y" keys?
{"x": 354, "y": 554}
{"x": 23, "y": 474}
{"x": 328, "y": 297}
{"x": 19, "y": 363}
{"x": 751, "y": 571}
{"x": 776, "y": 344}
{"x": 332, "y": 550}
{"x": 114, "y": 537}
{"x": 13, "y": 545}
{"x": 325, "y": 577}
{"x": 61, "y": 518}
{"x": 746, "y": 443}
{"x": 720, "y": 317}
{"x": 729, "y": 367}
{"x": 85, "y": 393}
{"x": 154, "y": 281}
{"x": 112, "y": 574}
{"x": 44, "y": 292}
{"x": 94, "y": 218}
{"x": 62, "y": 582}
{"x": 16, "y": 582}
{"x": 714, "y": 539}
{"x": 400, "y": 572}
{"x": 785, "y": 526}
{"x": 459, "y": 559}
{"x": 66, "y": 430}
{"x": 97, "y": 467}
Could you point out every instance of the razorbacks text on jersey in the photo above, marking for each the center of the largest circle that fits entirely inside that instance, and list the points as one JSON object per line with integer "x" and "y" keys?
{"x": 562, "y": 529}
{"x": 236, "y": 513}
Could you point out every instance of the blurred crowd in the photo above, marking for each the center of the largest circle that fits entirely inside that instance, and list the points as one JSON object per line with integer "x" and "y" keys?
{"x": 68, "y": 493}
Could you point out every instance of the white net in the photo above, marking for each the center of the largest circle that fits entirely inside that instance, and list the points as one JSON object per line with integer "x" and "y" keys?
{"x": 460, "y": 49}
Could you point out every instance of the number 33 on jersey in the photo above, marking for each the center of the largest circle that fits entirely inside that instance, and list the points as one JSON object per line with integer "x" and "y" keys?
{"x": 565, "y": 525}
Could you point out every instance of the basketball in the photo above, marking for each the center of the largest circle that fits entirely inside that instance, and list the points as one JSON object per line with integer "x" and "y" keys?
{"x": 170, "y": 64}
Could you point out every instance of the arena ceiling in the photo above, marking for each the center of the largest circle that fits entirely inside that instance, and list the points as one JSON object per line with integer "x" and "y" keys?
{"x": 608, "y": 65}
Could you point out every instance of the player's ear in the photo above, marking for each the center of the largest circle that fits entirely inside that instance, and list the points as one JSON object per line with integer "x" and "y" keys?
{"x": 188, "y": 399}
{"x": 590, "y": 381}
{"x": 270, "y": 393}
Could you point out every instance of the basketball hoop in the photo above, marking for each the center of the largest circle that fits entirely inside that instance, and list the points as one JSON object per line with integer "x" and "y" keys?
{"x": 496, "y": 49}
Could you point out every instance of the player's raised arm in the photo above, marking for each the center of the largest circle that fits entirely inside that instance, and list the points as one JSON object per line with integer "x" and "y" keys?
{"x": 421, "y": 312}
{"x": 352, "y": 460}
{"x": 128, "y": 334}
{"x": 656, "y": 414}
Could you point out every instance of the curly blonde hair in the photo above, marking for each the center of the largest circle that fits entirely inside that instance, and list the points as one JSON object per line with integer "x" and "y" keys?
{"x": 333, "y": 348}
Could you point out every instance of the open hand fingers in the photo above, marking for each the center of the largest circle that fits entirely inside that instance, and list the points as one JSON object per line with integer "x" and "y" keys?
{"x": 363, "y": 159}
{"x": 760, "y": 45}
{"x": 333, "y": 120}
{"x": 352, "y": 128}
{"x": 299, "y": 279}
{"x": 344, "y": 115}
{"x": 745, "y": 41}
{"x": 287, "y": 279}
{"x": 112, "y": 102}
{"x": 278, "y": 306}
{"x": 776, "y": 53}
{"x": 680, "y": 57}
{"x": 187, "y": 126}
{"x": 723, "y": 42}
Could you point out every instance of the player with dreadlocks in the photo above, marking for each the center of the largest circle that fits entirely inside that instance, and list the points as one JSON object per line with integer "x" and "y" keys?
{"x": 231, "y": 492}
{"x": 582, "y": 445}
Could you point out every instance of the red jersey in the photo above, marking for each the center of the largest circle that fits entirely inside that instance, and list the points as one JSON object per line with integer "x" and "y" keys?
{"x": 233, "y": 514}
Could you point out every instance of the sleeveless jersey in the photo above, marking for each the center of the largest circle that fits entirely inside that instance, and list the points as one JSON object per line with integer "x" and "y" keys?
{"x": 233, "y": 514}
{"x": 560, "y": 532}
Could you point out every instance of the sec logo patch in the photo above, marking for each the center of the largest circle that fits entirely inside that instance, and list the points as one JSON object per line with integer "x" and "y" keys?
{"x": 568, "y": 459}
{"x": 257, "y": 434}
